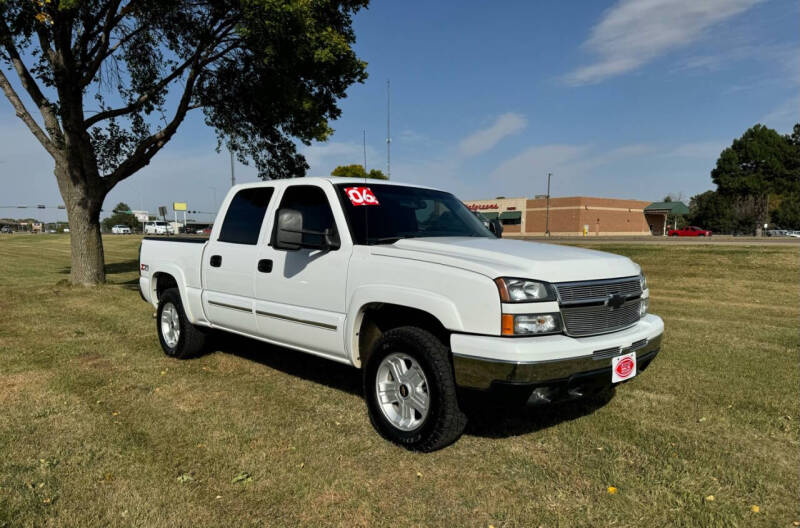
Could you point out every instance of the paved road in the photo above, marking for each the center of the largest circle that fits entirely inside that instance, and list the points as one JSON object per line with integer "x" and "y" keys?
{"x": 716, "y": 240}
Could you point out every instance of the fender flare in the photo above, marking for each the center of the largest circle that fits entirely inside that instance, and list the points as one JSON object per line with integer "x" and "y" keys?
{"x": 180, "y": 278}
{"x": 438, "y": 306}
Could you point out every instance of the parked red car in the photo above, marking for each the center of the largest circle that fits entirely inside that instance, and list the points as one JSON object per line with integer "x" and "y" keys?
{"x": 689, "y": 231}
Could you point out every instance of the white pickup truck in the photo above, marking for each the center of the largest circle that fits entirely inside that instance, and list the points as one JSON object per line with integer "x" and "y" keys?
{"x": 405, "y": 283}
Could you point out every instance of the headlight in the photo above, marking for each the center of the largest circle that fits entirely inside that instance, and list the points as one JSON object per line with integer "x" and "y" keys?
{"x": 642, "y": 281}
{"x": 644, "y": 304}
{"x": 523, "y": 290}
{"x": 531, "y": 324}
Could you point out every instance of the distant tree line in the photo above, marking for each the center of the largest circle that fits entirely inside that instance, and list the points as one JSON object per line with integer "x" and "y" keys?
{"x": 358, "y": 171}
{"x": 758, "y": 182}
{"x": 121, "y": 215}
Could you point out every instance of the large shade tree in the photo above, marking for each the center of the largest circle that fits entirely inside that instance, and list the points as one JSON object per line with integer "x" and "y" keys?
{"x": 755, "y": 167}
{"x": 103, "y": 85}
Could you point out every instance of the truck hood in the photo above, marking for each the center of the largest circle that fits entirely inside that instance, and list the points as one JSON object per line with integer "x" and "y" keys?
{"x": 513, "y": 258}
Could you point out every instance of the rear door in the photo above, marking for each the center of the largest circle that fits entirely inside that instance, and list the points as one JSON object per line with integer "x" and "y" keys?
{"x": 230, "y": 261}
{"x": 300, "y": 295}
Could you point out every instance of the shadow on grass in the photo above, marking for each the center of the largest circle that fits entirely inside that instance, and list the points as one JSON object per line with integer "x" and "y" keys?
{"x": 299, "y": 364}
{"x": 116, "y": 268}
{"x": 126, "y": 266}
{"x": 490, "y": 419}
{"x": 487, "y": 418}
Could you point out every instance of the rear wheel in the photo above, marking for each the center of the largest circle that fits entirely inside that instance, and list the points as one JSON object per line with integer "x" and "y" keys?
{"x": 178, "y": 337}
{"x": 411, "y": 392}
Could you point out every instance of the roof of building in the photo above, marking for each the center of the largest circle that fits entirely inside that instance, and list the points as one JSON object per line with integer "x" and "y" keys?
{"x": 676, "y": 208}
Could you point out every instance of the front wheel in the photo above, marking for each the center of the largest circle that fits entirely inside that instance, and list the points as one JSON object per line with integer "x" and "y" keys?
{"x": 178, "y": 337}
{"x": 411, "y": 392}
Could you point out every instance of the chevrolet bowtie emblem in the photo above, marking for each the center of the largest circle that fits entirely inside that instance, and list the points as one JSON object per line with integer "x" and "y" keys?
{"x": 615, "y": 300}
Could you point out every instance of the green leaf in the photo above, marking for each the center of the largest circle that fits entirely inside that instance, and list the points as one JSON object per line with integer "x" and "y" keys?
{"x": 244, "y": 476}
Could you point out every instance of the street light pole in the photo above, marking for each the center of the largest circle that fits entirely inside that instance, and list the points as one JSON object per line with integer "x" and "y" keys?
{"x": 547, "y": 216}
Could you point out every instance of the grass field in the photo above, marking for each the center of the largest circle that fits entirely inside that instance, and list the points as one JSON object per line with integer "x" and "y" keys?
{"x": 99, "y": 428}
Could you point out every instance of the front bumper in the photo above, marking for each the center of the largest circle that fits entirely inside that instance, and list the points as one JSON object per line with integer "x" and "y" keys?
{"x": 483, "y": 361}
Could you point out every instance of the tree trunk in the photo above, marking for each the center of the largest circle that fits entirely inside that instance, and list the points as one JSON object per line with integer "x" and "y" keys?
{"x": 83, "y": 203}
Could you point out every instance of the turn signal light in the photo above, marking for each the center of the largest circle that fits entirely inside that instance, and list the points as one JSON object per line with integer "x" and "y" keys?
{"x": 507, "y": 324}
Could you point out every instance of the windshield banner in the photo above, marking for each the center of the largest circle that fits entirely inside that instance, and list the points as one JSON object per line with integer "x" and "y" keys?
{"x": 361, "y": 196}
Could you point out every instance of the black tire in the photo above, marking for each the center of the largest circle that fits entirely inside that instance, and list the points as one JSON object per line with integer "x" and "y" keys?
{"x": 191, "y": 339}
{"x": 445, "y": 422}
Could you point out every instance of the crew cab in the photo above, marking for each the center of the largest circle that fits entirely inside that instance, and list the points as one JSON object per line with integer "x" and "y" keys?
{"x": 406, "y": 284}
{"x": 689, "y": 231}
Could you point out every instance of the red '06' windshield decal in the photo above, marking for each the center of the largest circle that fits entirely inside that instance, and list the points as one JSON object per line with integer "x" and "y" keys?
{"x": 361, "y": 196}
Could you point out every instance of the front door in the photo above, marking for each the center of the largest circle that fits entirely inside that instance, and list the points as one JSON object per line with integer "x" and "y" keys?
{"x": 230, "y": 261}
{"x": 300, "y": 295}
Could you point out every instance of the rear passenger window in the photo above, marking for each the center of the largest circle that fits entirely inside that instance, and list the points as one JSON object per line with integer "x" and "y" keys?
{"x": 313, "y": 203}
{"x": 245, "y": 216}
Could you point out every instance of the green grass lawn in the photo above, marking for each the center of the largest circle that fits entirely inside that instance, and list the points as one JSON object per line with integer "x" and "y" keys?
{"x": 99, "y": 428}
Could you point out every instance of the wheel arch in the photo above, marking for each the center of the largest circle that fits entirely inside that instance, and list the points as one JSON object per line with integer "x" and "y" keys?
{"x": 166, "y": 277}
{"x": 372, "y": 319}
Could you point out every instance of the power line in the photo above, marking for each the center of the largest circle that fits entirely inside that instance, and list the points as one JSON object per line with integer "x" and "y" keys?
{"x": 37, "y": 206}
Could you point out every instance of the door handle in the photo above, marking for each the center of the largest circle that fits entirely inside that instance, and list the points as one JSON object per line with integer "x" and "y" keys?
{"x": 265, "y": 265}
{"x": 216, "y": 261}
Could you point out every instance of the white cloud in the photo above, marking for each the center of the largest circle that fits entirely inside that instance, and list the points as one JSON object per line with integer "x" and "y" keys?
{"x": 700, "y": 149}
{"x": 485, "y": 139}
{"x": 784, "y": 116}
{"x": 538, "y": 160}
{"x": 412, "y": 136}
{"x": 634, "y": 32}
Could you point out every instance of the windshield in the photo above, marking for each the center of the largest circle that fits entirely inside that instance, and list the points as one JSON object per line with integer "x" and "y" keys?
{"x": 406, "y": 212}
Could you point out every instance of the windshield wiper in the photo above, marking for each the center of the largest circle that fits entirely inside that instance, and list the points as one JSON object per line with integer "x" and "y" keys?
{"x": 384, "y": 240}
{"x": 390, "y": 239}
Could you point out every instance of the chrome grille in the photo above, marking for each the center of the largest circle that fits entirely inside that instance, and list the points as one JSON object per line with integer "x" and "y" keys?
{"x": 596, "y": 291}
{"x": 606, "y": 353}
{"x": 599, "y": 318}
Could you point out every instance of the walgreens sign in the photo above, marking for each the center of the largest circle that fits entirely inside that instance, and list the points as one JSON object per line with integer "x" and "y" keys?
{"x": 480, "y": 207}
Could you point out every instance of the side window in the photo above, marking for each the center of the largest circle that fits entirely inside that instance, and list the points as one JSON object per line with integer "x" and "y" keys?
{"x": 245, "y": 216}
{"x": 313, "y": 203}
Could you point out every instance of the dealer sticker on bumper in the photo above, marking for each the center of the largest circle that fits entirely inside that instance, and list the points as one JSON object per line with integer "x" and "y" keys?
{"x": 623, "y": 367}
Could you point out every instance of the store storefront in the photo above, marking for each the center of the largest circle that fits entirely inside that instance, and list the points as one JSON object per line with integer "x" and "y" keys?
{"x": 569, "y": 216}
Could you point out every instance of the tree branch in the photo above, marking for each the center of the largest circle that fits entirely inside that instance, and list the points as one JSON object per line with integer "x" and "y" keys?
{"x": 142, "y": 99}
{"x": 26, "y": 117}
{"x": 101, "y": 49}
{"x": 30, "y": 85}
{"x": 197, "y": 58}
{"x": 151, "y": 145}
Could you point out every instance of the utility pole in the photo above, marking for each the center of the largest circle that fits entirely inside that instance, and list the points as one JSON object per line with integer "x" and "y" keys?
{"x": 547, "y": 217}
{"x": 233, "y": 177}
{"x": 388, "y": 129}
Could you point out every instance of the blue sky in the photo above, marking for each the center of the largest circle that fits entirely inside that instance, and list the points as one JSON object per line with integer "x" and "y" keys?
{"x": 630, "y": 99}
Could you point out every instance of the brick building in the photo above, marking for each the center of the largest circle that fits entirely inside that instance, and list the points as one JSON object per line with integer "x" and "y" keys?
{"x": 569, "y": 216}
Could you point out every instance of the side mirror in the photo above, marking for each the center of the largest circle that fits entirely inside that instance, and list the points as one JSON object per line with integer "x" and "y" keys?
{"x": 289, "y": 233}
{"x": 496, "y": 227}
